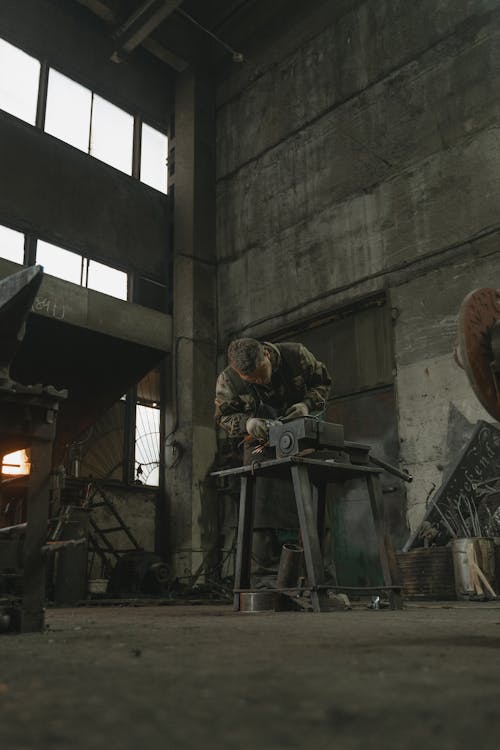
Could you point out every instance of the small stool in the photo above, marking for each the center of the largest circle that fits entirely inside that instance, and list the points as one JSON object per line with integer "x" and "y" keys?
{"x": 310, "y": 478}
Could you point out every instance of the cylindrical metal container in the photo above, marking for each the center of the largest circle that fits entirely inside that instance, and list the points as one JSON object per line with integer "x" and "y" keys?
{"x": 481, "y": 550}
{"x": 496, "y": 542}
{"x": 290, "y": 565}
{"x": 427, "y": 573}
{"x": 258, "y": 601}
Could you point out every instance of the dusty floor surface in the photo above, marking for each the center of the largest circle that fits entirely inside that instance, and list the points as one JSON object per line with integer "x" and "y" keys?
{"x": 140, "y": 678}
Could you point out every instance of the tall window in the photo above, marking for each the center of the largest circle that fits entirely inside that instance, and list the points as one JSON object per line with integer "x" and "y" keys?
{"x": 154, "y": 154}
{"x": 68, "y": 112}
{"x": 11, "y": 245}
{"x": 147, "y": 444}
{"x": 81, "y": 118}
{"x": 78, "y": 116}
{"x": 19, "y": 81}
{"x": 101, "y": 453}
{"x": 111, "y": 134}
{"x": 64, "y": 264}
{"x": 147, "y": 430}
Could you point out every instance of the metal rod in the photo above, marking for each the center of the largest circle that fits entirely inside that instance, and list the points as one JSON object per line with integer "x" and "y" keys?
{"x": 52, "y": 547}
{"x": 10, "y": 529}
{"x": 445, "y": 521}
{"x": 320, "y": 587}
{"x": 237, "y": 56}
{"x": 390, "y": 468}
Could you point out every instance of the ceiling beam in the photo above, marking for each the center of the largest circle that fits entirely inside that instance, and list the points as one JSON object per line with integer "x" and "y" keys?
{"x": 102, "y": 9}
{"x": 140, "y": 24}
{"x": 162, "y": 53}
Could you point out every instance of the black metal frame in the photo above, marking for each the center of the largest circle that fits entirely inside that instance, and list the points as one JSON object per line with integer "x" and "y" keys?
{"x": 30, "y": 421}
{"x": 310, "y": 478}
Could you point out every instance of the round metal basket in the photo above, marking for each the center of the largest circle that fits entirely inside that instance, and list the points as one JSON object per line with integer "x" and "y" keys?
{"x": 258, "y": 601}
{"x": 427, "y": 573}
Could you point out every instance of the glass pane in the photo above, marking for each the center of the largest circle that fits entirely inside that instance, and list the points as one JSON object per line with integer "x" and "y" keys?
{"x": 58, "y": 262}
{"x": 11, "y": 245}
{"x": 148, "y": 389}
{"x": 68, "y": 110}
{"x": 19, "y": 78}
{"x": 107, "y": 280}
{"x": 99, "y": 452}
{"x": 112, "y": 135}
{"x": 154, "y": 154}
{"x": 147, "y": 445}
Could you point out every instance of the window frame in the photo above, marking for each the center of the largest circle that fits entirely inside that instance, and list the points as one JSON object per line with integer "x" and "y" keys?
{"x": 137, "y": 124}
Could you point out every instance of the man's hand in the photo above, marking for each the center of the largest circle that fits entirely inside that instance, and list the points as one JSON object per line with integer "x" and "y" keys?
{"x": 258, "y": 428}
{"x": 296, "y": 411}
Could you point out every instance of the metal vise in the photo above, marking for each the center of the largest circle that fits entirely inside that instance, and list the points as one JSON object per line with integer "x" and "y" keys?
{"x": 289, "y": 438}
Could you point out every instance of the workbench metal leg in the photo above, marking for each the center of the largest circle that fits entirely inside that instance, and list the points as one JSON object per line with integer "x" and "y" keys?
{"x": 319, "y": 506}
{"x": 319, "y": 503}
{"x": 308, "y": 526}
{"x": 33, "y": 603}
{"x": 244, "y": 541}
{"x": 377, "y": 506}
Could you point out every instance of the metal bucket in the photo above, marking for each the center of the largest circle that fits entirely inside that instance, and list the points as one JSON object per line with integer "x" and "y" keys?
{"x": 258, "y": 601}
{"x": 427, "y": 573}
{"x": 290, "y": 566}
{"x": 482, "y": 551}
{"x": 97, "y": 586}
{"x": 496, "y": 542}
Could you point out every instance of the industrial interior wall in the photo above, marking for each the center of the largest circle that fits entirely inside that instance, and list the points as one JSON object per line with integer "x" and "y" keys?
{"x": 360, "y": 153}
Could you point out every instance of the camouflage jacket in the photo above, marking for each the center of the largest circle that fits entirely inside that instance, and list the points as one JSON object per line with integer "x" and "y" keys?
{"x": 297, "y": 376}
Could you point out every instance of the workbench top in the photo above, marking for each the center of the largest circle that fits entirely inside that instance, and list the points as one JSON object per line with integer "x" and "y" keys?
{"x": 323, "y": 469}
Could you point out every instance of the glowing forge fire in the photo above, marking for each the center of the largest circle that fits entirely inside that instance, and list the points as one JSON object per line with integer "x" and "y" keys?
{"x": 16, "y": 464}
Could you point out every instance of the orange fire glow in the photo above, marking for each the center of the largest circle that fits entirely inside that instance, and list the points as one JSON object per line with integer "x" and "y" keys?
{"x": 16, "y": 464}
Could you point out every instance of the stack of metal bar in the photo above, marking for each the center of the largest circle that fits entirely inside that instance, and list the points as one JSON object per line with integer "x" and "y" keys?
{"x": 460, "y": 516}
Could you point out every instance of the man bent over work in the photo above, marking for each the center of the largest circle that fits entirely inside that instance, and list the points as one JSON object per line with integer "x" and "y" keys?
{"x": 264, "y": 382}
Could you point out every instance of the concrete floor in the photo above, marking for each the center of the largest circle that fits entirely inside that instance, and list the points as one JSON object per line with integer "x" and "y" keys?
{"x": 138, "y": 678}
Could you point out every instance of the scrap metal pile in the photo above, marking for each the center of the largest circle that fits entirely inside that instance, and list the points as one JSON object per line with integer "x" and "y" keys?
{"x": 468, "y": 502}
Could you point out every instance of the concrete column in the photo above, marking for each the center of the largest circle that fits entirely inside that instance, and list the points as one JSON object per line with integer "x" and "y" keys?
{"x": 190, "y": 444}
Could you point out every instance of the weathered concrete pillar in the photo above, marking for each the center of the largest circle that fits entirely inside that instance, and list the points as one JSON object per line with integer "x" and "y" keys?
{"x": 190, "y": 445}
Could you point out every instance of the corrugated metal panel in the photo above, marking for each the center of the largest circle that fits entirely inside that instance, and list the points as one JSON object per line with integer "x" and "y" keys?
{"x": 356, "y": 346}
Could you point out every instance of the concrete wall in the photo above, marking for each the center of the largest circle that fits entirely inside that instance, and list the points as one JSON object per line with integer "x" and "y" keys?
{"x": 64, "y": 196}
{"x": 367, "y": 157}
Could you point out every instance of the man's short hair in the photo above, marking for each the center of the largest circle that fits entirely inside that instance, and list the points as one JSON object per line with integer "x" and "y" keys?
{"x": 245, "y": 355}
